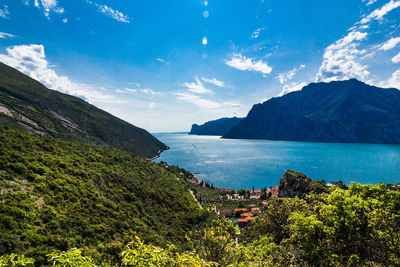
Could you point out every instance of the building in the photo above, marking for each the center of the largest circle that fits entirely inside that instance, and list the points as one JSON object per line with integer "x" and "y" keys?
{"x": 255, "y": 211}
{"x": 246, "y": 214}
{"x": 226, "y": 213}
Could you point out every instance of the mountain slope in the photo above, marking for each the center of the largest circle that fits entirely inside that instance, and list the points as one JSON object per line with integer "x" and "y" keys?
{"x": 57, "y": 195}
{"x": 342, "y": 111}
{"x": 215, "y": 127}
{"x": 26, "y": 103}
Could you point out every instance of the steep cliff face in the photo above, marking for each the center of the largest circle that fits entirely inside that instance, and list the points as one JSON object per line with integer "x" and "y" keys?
{"x": 342, "y": 111}
{"x": 294, "y": 184}
{"x": 216, "y": 127}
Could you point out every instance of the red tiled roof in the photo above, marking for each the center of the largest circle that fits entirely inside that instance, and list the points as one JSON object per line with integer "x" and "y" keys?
{"x": 247, "y": 214}
{"x": 241, "y": 209}
{"x": 255, "y": 209}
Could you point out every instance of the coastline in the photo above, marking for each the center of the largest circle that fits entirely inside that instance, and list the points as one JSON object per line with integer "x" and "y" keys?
{"x": 158, "y": 154}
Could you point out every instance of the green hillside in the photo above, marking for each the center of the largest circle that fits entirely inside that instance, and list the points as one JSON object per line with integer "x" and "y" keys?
{"x": 57, "y": 195}
{"x": 26, "y": 103}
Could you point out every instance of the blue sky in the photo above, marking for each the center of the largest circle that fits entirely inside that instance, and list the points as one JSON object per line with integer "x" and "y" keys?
{"x": 163, "y": 65}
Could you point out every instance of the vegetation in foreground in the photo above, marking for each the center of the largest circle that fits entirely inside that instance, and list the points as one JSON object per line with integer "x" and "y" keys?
{"x": 57, "y": 195}
{"x": 66, "y": 204}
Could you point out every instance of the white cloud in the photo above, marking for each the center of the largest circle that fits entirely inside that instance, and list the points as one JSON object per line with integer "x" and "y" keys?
{"x": 205, "y": 103}
{"x": 396, "y": 58}
{"x": 213, "y": 81}
{"x": 390, "y": 44}
{"x": 149, "y": 91}
{"x": 161, "y": 60}
{"x": 126, "y": 91}
{"x": 4, "y": 12}
{"x": 197, "y": 100}
{"x": 240, "y": 62}
{"x": 65, "y": 20}
{"x": 197, "y": 87}
{"x": 340, "y": 59}
{"x": 291, "y": 88}
{"x": 393, "y": 81}
{"x": 287, "y": 76}
{"x": 48, "y": 6}
{"x": 146, "y": 91}
{"x": 31, "y": 60}
{"x": 370, "y": 2}
{"x": 110, "y": 12}
{"x": 379, "y": 13}
{"x": 256, "y": 33}
{"x": 4, "y": 35}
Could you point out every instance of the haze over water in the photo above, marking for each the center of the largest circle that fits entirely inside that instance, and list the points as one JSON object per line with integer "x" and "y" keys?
{"x": 261, "y": 163}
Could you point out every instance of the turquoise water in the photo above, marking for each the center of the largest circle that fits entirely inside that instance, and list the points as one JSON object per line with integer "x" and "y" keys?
{"x": 239, "y": 164}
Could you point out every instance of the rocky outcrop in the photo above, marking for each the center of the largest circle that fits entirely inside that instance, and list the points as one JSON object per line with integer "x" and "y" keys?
{"x": 294, "y": 184}
{"x": 217, "y": 127}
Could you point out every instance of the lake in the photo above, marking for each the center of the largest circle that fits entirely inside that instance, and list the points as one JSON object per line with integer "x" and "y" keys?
{"x": 238, "y": 163}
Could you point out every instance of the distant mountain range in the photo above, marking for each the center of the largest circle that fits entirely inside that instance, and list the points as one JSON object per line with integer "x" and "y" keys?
{"x": 341, "y": 111}
{"x": 26, "y": 103}
{"x": 216, "y": 127}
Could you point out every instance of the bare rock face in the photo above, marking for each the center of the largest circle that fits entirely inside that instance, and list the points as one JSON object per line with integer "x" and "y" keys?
{"x": 294, "y": 184}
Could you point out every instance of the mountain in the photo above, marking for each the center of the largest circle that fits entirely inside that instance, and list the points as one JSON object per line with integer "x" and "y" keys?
{"x": 216, "y": 127}
{"x": 340, "y": 111}
{"x": 57, "y": 195}
{"x": 26, "y": 103}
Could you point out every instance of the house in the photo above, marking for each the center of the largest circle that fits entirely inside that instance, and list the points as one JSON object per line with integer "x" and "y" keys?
{"x": 226, "y": 213}
{"x": 250, "y": 206}
{"x": 255, "y": 211}
{"x": 244, "y": 221}
{"x": 264, "y": 203}
{"x": 225, "y": 190}
{"x": 250, "y": 218}
{"x": 246, "y": 214}
{"x": 255, "y": 196}
{"x": 274, "y": 190}
{"x": 240, "y": 210}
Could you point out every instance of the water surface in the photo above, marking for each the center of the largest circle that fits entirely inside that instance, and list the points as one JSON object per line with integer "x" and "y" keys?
{"x": 238, "y": 163}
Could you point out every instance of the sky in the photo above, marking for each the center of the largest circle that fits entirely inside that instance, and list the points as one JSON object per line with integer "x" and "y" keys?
{"x": 164, "y": 65}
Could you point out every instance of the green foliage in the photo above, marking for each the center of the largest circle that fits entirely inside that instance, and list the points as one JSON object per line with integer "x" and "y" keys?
{"x": 70, "y": 195}
{"x": 70, "y": 258}
{"x": 57, "y": 195}
{"x": 358, "y": 226}
{"x": 217, "y": 243}
{"x": 15, "y": 260}
{"x": 137, "y": 253}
